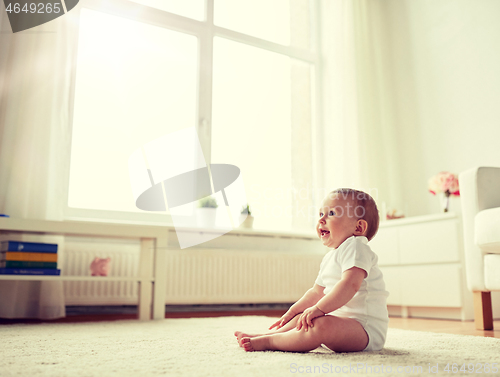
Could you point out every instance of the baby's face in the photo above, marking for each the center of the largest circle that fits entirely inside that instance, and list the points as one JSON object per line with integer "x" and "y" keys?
{"x": 337, "y": 221}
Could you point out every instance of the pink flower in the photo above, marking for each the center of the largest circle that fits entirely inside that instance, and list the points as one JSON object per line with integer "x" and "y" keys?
{"x": 445, "y": 182}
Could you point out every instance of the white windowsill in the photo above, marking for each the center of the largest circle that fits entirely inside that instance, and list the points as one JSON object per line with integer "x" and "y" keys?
{"x": 239, "y": 231}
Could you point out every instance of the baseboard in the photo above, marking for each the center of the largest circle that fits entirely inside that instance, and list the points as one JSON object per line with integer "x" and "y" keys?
{"x": 74, "y": 310}
{"x": 427, "y": 312}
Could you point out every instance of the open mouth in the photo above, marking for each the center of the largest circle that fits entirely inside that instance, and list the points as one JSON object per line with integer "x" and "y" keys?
{"x": 324, "y": 233}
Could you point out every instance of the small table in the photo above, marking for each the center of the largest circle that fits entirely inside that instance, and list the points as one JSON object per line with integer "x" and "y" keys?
{"x": 152, "y": 263}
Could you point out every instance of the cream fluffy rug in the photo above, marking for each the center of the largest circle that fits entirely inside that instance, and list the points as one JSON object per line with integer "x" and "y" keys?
{"x": 207, "y": 347}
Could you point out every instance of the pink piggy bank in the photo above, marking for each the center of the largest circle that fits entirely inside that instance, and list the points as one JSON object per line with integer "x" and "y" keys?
{"x": 100, "y": 266}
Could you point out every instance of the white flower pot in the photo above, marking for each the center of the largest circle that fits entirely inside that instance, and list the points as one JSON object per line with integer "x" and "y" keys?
{"x": 205, "y": 217}
{"x": 246, "y": 221}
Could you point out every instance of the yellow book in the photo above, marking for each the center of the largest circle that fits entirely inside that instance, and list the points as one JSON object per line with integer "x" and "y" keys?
{"x": 33, "y": 257}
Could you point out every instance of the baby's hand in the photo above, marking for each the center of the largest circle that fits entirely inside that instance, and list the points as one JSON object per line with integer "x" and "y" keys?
{"x": 305, "y": 319}
{"x": 283, "y": 320}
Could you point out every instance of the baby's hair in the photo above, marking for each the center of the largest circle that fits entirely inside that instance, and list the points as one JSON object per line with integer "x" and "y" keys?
{"x": 361, "y": 199}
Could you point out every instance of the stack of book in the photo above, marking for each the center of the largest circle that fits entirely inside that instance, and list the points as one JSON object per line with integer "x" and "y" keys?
{"x": 28, "y": 258}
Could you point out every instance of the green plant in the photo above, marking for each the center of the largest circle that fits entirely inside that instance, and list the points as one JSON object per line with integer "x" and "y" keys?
{"x": 245, "y": 210}
{"x": 207, "y": 202}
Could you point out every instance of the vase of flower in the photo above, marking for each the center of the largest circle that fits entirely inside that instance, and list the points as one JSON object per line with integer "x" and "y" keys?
{"x": 445, "y": 201}
{"x": 445, "y": 184}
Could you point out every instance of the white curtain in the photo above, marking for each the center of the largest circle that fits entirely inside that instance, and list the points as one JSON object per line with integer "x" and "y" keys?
{"x": 359, "y": 117}
{"x": 35, "y": 83}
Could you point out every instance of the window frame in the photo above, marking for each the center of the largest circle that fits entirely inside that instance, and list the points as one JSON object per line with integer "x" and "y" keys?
{"x": 205, "y": 31}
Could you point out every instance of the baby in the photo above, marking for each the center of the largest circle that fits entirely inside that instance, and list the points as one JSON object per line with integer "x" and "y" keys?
{"x": 346, "y": 309}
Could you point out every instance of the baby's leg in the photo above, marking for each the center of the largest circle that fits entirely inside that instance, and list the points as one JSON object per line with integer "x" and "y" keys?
{"x": 288, "y": 326}
{"x": 338, "y": 334}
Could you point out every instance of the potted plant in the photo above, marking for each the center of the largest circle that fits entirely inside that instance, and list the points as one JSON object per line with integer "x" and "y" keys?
{"x": 246, "y": 218}
{"x": 206, "y": 212}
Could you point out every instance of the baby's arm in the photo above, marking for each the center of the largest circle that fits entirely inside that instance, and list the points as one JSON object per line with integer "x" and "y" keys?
{"x": 311, "y": 297}
{"x": 340, "y": 295}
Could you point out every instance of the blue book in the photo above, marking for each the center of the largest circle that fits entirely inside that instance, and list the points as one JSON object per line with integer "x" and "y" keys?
{"x": 28, "y": 246}
{"x": 29, "y": 271}
{"x": 27, "y": 264}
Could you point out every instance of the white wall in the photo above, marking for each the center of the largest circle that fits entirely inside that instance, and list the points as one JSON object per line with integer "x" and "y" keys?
{"x": 411, "y": 88}
{"x": 446, "y": 80}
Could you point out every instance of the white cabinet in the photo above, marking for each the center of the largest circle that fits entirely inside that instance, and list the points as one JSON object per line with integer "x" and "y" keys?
{"x": 422, "y": 261}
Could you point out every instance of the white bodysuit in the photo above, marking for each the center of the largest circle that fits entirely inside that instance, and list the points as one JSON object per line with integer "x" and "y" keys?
{"x": 369, "y": 304}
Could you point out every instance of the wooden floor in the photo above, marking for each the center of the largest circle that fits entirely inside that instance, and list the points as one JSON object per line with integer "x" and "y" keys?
{"x": 415, "y": 324}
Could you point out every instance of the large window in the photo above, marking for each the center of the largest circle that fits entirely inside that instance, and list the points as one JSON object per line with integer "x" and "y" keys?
{"x": 241, "y": 72}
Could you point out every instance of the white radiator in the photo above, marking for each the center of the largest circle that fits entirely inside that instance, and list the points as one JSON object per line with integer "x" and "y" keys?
{"x": 238, "y": 276}
{"x": 80, "y": 252}
{"x": 194, "y": 276}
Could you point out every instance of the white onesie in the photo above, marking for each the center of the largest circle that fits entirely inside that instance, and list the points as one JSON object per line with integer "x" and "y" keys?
{"x": 369, "y": 304}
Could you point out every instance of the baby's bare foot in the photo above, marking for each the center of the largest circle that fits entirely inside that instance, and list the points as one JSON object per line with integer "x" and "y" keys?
{"x": 260, "y": 343}
{"x": 246, "y": 343}
{"x": 240, "y": 335}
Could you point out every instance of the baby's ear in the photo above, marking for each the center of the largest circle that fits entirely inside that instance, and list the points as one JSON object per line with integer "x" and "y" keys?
{"x": 361, "y": 228}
